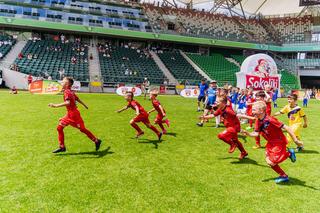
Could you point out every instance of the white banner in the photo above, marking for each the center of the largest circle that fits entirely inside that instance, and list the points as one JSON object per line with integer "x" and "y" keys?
{"x": 122, "y": 90}
{"x": 190, "y": 93}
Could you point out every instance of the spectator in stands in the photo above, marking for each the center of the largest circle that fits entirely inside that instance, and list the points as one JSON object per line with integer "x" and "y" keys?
{"x": 1, "y": 55}
{"x": 73, "y": 60}
{"x": 49, "y": 78}
{"x": 62, "y": 38}
{"x": 29, "y": 56}
{"x": 20, "y": 55}
{"x": 91, "y": 56}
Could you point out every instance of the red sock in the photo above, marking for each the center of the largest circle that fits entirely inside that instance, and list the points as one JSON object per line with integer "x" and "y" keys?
{"x": 162, "y": 127}
{"x": 153, "y": 128}
{"x": 134, "y": 125}
{"x": 240, "y": 146}
{"x": 89, "y": 134}
{"x": 278, "y": 170}
{"x": 60, "y": 135}
{"x": 258, "y": 141}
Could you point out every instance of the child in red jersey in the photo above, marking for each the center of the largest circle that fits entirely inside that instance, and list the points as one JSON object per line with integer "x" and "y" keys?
{"x": 161, "y": 112}
{"x": 232, "y": 124}
{"x": 271, "y": 129}
{"x": 259, "y": 96}
{"x": 250, "y": 101}
{"x": 73, "y": 116}
{"x": 268, "y": 98}
{"x": 141, "y": 116}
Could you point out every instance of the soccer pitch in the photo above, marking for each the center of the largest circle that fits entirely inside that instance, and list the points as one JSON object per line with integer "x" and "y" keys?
{"x": 189, "y": 171}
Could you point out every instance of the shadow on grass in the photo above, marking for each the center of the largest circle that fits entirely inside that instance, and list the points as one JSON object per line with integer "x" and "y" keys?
{"x": 293, "y": 182}
{"x": 308, "y": 152}
{"x": 244, "y": 161}
{"x": 148, "y": 141}
{"x": 171, "y": 134}
{"x": 98, "y": 154}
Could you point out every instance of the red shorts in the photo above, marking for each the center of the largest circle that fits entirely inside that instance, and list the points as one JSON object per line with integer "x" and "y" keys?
{"x": 72, "y": 118}
{"x": 249, "y": 111}
{"x": 159, "y": 118}
{"x": 142, "y": 117}
{"x": 228, "y": 134}
{"x": 276, "y": 153}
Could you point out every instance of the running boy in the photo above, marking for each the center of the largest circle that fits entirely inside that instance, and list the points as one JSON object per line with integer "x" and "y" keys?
{"x": 232, "y": 124}
{"x": 276, "y": 149}
{"x": 72, "y": 117}
{"x": 161, "y": 112}
{"x": 295, "y": 114}
{"x": 141, "y": 116}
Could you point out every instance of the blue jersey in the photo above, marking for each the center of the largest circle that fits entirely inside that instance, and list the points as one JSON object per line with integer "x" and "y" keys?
{"x": 203, "y": 88}
{"x": 275, "y": 96}
{"x": 234, "y": 97}
{"x": 242, "y": 102}
{"x": 212, "y": 95}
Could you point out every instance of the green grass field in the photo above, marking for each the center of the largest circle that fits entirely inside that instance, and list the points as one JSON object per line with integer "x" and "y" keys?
{"x": 189, "y": 171}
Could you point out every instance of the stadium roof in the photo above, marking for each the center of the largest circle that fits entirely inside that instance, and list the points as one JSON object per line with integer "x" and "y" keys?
{"x": 250, "y": 7}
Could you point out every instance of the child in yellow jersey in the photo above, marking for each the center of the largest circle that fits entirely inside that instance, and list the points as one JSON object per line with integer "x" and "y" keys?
{"x": 295, "y": 114}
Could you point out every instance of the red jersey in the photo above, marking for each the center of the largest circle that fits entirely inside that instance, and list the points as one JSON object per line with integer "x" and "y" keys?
{"x": 270, "y": 129}
{"x": 73, "y": 98}
{"x": 268, "y": 103}
{"x": 230, "y": 118}
{"x": 250, "y": 100}
{"x": 156, "y": 105}
{"x": 132, "y": 104}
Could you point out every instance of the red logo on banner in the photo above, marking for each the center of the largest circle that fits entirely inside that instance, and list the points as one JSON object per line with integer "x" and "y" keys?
{"x": 258, "y": 83}
{"x": 36, "y": 87}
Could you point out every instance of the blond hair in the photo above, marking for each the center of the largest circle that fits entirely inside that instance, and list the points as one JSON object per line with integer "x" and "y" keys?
{"x": 261, "y": 105}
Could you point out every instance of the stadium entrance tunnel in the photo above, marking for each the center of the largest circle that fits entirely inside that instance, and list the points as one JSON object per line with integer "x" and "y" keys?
{"x": 310, "y": 81}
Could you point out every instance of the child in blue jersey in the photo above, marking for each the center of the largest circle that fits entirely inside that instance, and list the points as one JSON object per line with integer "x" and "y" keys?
{"x": 203, "y": 86}
{"x": 242, "y": 100}
{"x": 274, "y": 98}
{"x": 234, "y": 98}
{"x": 211, "y": 95}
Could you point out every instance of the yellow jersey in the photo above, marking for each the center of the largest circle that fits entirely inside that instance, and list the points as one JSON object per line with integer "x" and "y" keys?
{"x": 295, "y": 114}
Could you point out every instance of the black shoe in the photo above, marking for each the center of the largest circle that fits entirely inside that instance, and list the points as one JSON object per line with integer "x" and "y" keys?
{"x": 159, "y": 136}
{"x": 200, "y": 124}
{"x": 98, "y": 143}
{"x": 59, "y": 150}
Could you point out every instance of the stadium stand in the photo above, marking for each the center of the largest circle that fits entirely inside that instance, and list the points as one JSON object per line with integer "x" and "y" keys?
{"x": 45, "y": 58}
{"x": 179, "y": 67}
{"x": 72, "y": 12}
{"x": 289, "y": 80}
{"x": 220, "y": 26}
{"x": 6, "y": 43}
{"x": 216, "y": 67}
{"x": 238, "y": 58}
{"x": 128, "y": 65}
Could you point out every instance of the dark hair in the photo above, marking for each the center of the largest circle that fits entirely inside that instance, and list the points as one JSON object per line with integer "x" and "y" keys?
{"x": 131, "y": 93}
{"x": 261, "y": 94}
{"x": 70, "y": 80}
{"x": 293, "y": 96}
